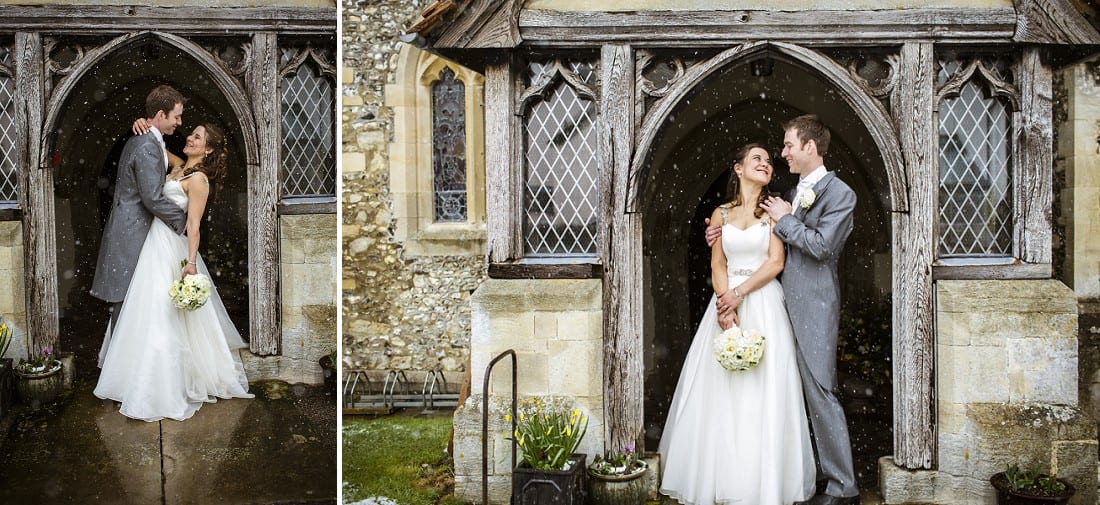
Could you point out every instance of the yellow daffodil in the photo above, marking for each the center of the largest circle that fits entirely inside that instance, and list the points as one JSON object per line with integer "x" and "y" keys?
{"x": 507, "y": 418}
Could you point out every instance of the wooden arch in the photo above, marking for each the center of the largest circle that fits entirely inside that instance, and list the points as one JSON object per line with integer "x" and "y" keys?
{"x": 869, "y": 110}
{"x": 225, "y": 83}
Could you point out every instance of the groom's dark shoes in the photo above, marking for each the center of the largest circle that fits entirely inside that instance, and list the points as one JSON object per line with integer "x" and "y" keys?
{"x": 824, "y": 499}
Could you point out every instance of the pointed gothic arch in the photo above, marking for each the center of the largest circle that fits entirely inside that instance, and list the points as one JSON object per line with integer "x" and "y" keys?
{"x": 226, "y": 84}
{"x": 869, "y": 110}
{"x": 256, "y": 77}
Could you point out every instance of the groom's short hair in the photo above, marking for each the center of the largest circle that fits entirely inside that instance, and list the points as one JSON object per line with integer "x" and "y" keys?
{"x": 162, "y": 98}
{"x": 809, "y": 127}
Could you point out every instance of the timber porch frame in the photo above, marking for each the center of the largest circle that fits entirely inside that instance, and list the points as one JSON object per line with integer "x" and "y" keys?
{"x": 252, "y": 91}
{"x": 489, "y": 35}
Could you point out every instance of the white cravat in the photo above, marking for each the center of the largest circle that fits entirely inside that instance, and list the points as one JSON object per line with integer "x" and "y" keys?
{"x": 807, "y": 183}
{"x": 163, "y": 148}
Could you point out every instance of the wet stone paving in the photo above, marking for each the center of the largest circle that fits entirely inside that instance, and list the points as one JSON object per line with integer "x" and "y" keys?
{"x": 276, "y": 448}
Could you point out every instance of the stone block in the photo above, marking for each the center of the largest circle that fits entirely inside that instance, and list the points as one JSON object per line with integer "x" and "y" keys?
{"x": 1076, "y": 462}
{"x": 993, "y": 328}
{"x": 306, "y": 284}
{"x": 955, "y": 453}
{"x": 952, "y": 489}
{"x": 1004, "y": 296}
{"x": 353, "y": 162}
{"x": 899, "y": 485}
{"x": 972, "y": 374}
{"x": 511, "y": 330}
{"x": 575, "y": 367}
{"x": 953, "y": 328}
{"x": 952, "y": 418}
{"x": 574, "y": 325}
{"x": 352, "y": 100}
{"x": 546, "y": 325}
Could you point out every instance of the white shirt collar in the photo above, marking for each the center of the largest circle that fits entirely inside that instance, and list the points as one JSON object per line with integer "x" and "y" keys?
{"x": 815, "y": 176}
{"x": 157, "y": 134}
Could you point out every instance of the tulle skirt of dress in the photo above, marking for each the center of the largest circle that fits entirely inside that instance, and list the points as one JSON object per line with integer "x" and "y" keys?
{"x": 163, "y": 362}
{"x": 740, "y": 437}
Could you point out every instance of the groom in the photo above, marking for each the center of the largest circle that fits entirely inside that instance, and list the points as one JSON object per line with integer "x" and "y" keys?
{"x": 814, "y": 231}
{"x": 141, "y": 173}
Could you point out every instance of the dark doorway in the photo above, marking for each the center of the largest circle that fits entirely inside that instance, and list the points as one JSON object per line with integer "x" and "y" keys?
{"x": 92, "y": 129}
{"x": 690, "y": 165}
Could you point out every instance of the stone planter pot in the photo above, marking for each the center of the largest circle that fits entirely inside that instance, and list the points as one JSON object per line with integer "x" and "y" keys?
{"x": 629, "y": 489}
{"x": 1006, "y": 496}
{"x": 39, "y": 387}
{"x": 549, "y": 487}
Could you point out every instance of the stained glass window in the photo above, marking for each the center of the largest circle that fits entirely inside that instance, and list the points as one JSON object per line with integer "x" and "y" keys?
{"x": 449, "y": 147}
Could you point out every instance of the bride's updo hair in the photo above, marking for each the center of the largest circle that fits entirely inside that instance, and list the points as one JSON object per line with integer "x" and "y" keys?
{"x": 213, "y": 164}
{"x": 733, "y": 189}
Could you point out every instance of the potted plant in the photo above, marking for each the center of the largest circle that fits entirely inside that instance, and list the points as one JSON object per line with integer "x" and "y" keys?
{"x": 1030, "y": 487}
{"x": 548, "y": 433}
{"x": 328, "y": 371}
{"x": 616, "y": 478}
{"x": 38, "y": 379}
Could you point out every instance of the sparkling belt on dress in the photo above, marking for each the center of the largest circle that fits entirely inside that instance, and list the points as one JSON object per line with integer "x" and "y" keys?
{"x": 741, "y": 271}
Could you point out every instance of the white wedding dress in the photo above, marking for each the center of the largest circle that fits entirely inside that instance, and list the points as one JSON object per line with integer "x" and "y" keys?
{"x": 740, "y": 437}
{"x": 162, "y": 362}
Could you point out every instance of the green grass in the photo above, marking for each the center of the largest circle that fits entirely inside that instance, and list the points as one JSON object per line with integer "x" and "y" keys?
{"x": 400, "y": 457}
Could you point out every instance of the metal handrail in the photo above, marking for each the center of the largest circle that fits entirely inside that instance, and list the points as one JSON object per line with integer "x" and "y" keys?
{"x": 485, "y": 422}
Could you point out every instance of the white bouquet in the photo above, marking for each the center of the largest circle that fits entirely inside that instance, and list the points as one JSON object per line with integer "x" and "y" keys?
{"x": 738, "y": 349}
{"x": 191, "y": 292}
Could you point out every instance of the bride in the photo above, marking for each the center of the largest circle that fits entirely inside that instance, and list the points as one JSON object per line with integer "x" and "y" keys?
{"x": 741, "y": 437}
{"x": 159, "y": 361}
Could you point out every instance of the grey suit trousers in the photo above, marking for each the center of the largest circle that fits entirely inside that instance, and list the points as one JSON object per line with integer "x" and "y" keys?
{"x": 829, "y": 429}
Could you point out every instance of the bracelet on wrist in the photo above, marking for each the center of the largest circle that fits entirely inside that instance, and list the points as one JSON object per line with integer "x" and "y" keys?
{"x": 738, "y": 294}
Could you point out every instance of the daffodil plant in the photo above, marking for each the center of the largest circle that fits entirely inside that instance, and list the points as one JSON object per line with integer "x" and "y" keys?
{"x": 548, "y": 432}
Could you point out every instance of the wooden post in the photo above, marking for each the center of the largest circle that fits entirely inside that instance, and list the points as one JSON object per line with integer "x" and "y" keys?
{"x": 1033, "y": 178}
{"x": 503, "y": 164}
{"x": 263, "y": 199}
{"x": 35, "y": 196}
{"x": 621, "y": 252}
{"x": 913, "y": 240}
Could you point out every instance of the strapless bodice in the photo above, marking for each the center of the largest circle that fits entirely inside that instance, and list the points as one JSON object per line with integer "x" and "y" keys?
{"x": 745, "y": 249}
{"x": 173, "y": 190}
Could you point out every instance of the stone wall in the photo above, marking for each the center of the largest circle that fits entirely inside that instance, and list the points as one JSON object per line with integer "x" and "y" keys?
{"x": 1077, "y": 205}
{"x": 399, "y": 311}
{"x": 308, "y": 300}
{"x": 1006, "y": 391}
{"x": 13, "y": 302}
{"x": 1080, "y": 196}
{"x": 555, "y": 327}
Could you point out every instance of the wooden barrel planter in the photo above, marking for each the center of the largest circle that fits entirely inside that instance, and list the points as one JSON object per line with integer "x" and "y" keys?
{"x": 628, "y": 489}
{"x": 38, "y": 388}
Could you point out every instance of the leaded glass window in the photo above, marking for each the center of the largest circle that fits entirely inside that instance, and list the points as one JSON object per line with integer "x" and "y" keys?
{"x": 560, "y": 160}
{"x": 9, "y": 177}
{"x": 975, "y": 162}
{"x": 308, "y": 109}
{"x": 449, "y": 147}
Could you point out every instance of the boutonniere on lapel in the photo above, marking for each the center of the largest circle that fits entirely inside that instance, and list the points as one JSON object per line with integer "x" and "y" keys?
{"x": 806, "y": 199}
